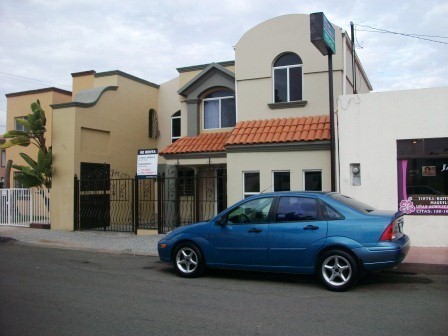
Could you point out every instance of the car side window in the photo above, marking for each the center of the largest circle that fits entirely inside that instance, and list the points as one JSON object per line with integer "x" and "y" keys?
{"x": 253, "y": 211}
{"x": 293, "y": 209}
{"x": 330, "y": 213}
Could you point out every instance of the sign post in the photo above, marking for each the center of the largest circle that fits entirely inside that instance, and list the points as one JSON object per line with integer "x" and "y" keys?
{"x": 323, "y": 37}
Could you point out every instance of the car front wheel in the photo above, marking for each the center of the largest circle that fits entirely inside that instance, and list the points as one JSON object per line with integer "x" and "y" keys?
{"x": 338, "y": 270}
{"x": 188, "y": 261}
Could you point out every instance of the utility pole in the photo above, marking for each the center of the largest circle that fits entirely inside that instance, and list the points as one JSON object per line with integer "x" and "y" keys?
{"x": 352, "y": 28}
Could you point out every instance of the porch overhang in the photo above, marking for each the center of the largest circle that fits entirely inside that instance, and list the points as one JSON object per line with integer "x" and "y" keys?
{"x": 203, "y": 145}
{"x": 202, "y": 155}
{"x": 280, "y": 147}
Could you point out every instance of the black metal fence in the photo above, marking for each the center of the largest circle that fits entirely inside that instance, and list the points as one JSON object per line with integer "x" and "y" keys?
{"x": 126, "y": 204}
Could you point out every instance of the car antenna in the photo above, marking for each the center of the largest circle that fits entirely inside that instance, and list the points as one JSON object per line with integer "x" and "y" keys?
{"x": 266, "y": 189}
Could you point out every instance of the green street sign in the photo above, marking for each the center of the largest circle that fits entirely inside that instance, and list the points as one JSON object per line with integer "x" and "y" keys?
{"x": 322, "y": 33}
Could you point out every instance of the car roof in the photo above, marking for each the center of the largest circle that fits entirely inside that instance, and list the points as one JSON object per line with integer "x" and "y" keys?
{"x": 291, "y": 193}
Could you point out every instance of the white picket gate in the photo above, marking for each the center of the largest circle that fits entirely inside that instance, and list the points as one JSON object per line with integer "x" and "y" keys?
{"x": 21, "y": 207}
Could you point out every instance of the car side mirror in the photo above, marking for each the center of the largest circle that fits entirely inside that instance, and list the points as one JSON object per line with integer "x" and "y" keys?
{"x": 222, "y": 221}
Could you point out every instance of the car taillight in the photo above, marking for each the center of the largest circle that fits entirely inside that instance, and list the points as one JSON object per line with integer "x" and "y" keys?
{"x": 389, "y": 233}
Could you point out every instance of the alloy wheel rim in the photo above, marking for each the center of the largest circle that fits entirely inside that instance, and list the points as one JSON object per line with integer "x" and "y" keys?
{"x": 187, "y": 260}
{"x": 336, "y": 270}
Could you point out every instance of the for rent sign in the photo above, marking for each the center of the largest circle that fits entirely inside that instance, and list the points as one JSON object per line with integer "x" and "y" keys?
{"x": 147, "y": 160}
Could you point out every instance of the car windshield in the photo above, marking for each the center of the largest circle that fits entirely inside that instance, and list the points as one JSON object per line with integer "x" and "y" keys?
{"x": 352, "y": 203}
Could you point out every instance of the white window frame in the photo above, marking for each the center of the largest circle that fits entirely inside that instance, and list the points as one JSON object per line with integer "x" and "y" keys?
{"x": 174, "y": 138}
{"x": 251, "y": 193}
{"x": 288, "y": 94}
{"x": 280, "y": 171}
{"x": 17, "y": 126}
{"x": 219, "y": 110}
{"x": 311, "y": 171}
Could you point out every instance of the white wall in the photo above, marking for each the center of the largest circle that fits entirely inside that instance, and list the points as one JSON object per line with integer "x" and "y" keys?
{"x": 368, "y": 127}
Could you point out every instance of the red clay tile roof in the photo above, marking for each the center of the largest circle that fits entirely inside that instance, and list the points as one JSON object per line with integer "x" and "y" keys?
{"x": 281, "y": 130}
{"x": 316, "y": 128}
{"x": 205, "y": 142}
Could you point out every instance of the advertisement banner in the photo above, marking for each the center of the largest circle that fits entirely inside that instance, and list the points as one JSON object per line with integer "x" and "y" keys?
{"x": 421, "y": 187}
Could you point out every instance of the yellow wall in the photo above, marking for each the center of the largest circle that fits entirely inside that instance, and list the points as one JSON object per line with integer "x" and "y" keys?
{"x": 168, "y": 105}
{"x": 19, "y": 105}
{"x": 82, "y": 81}
{"x": 111, "y": 131}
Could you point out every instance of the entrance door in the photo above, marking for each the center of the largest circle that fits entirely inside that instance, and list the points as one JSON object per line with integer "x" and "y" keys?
{"x": 94, "y": 195}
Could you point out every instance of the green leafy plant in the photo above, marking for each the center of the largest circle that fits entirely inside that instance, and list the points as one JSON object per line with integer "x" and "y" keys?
{"x": 38, "y": 172}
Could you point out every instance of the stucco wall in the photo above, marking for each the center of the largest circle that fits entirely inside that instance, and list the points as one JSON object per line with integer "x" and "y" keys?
{"x": 186, "y": 76}
{"x": 19, "y": 105}
{"x": 369, "y": 125}
{"x": 169, "y": 104}
{"x": 111, "y": 131}
{"x": 258, "y": 48}
{"x": 260, "y": 45}
{"x": 64, "y": 168}
{"x": 267, "y": 162}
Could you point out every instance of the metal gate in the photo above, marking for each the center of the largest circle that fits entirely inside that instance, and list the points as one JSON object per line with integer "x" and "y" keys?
{"x": 129, "y": 204}
{"x": 23, "y": 207}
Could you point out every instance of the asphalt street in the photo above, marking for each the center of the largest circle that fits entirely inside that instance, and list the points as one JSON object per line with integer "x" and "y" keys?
{"x": 52, "y": 291}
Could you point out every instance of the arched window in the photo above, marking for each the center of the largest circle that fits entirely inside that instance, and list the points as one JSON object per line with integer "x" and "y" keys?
{"x": 287, "y": 75}
{"x": 175, "y": 126}
{"x": 219, "y": 110}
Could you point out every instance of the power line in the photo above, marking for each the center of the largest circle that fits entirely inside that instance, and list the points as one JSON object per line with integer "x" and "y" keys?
{"x": 32, "y": 79}
{"x": 429, "y": 38}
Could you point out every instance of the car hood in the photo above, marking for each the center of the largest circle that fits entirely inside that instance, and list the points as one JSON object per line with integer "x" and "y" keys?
{"x": 185, "y": 228}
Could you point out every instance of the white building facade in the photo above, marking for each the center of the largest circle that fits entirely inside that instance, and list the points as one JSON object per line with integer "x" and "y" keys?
{"x": 393, "y": 154}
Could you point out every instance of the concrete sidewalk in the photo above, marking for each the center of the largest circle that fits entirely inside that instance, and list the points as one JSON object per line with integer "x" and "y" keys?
{"x": 128, "y": 243}
{"x": 100, "y": 241}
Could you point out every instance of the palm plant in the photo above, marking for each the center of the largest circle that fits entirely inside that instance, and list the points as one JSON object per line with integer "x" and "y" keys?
{"x": 38, "y": 172}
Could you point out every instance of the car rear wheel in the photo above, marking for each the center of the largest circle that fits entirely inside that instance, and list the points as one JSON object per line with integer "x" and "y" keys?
{"x": 188, "y": 261}
{"x": 338, "y": 270}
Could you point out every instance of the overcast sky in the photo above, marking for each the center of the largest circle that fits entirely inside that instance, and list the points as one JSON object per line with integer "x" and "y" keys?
{"x": 43, "y": 41}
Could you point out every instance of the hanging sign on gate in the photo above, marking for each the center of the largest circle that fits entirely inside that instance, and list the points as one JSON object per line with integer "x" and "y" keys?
{"x": 147, "y": 160}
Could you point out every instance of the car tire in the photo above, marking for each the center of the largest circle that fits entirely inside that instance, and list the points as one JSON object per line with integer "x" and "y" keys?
{"x": 338, "y": 270}
{"x": 188, "y": 261}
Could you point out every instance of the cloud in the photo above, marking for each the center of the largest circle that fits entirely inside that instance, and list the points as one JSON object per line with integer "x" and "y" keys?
{"x": 44, "y": 41}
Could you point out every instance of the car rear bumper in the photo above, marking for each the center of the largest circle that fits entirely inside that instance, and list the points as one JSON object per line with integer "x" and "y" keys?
{"x": 385, "y": 254}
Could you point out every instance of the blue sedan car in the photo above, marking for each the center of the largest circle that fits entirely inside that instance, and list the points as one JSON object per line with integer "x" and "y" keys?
{"x": 323, "y": 233}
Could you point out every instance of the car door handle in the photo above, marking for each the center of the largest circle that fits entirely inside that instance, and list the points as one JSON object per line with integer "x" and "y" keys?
{"x": 255, "y": 230}
{"x": 310, "y": 227}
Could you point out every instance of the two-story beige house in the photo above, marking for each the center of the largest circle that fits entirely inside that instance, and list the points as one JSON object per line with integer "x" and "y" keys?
{"x": 258, "y": 123}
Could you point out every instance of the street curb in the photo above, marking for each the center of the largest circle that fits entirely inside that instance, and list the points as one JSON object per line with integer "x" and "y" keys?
{"x": 418, "y": 268}
{"x": 79, "y": 248}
